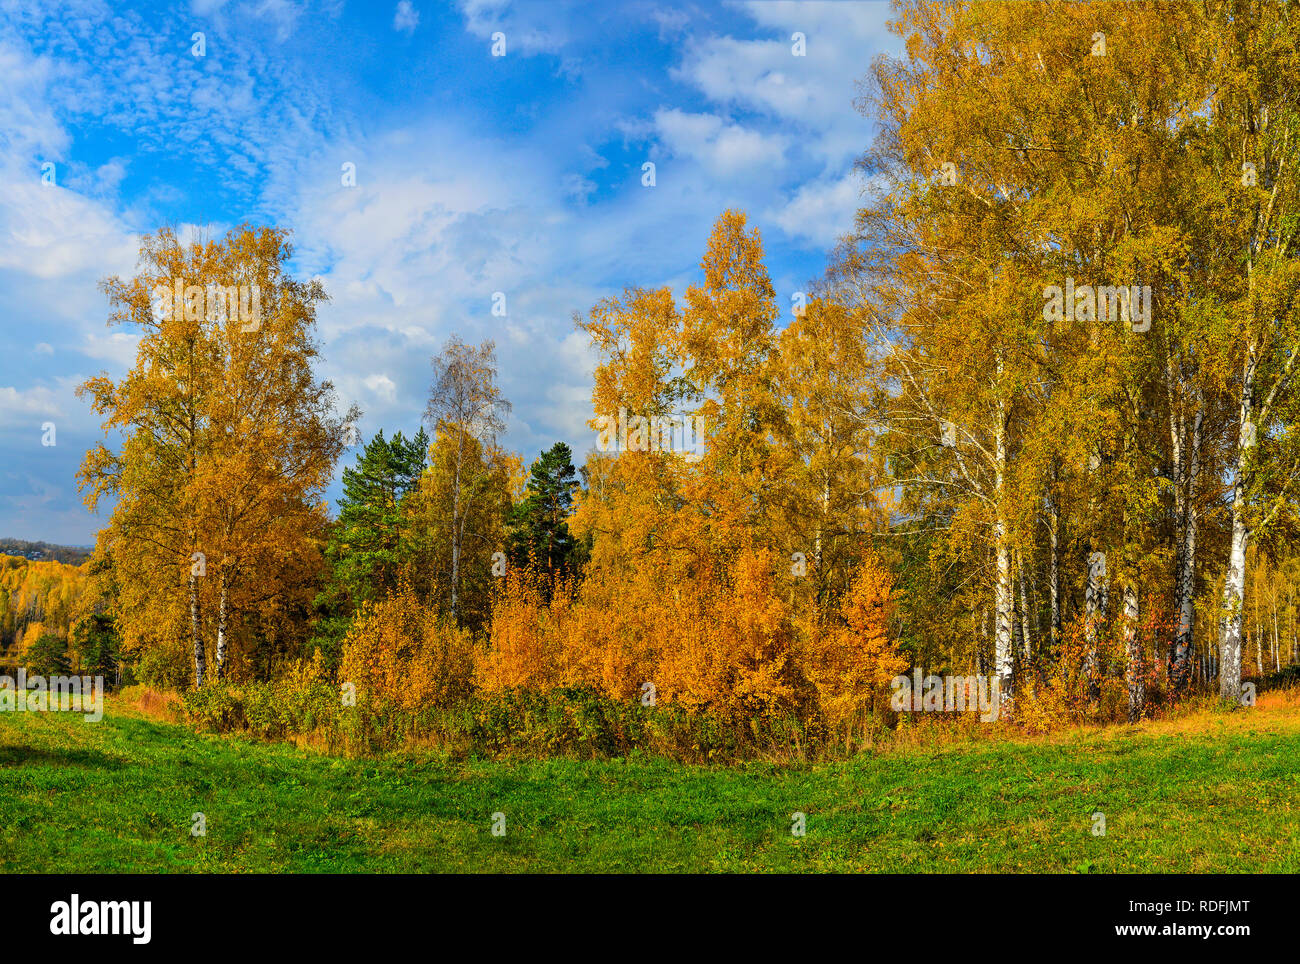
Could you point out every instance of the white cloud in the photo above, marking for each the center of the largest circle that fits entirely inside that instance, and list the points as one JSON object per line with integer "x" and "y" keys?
{"x": 27, "y": 120}
{"x": 407, "y": 18}
{"x": 100, "y": 181}
{"x": 282, "y": 13}
{"x": 672, "y": 22}
{"x": 50, "y": 232}
{"x": 821, "y": 211}
{"x": 528, "y": 28}
{"x": 815, "y": 92}
{"x": 578, "y": 187}
{"x": 414, "y": 253}
{"x": 724, "y": 149}
{"x": 116, "y": 347}
{"x": 36, "y": 400}
{"x": 383, "y": 387}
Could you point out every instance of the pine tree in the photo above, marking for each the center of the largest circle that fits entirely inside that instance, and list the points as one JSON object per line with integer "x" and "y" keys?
{"x": 47, "y": 655}
{"x": 539, "y": 531}
{"x": 370, "y": 545}
{"x": 94, "y": 639}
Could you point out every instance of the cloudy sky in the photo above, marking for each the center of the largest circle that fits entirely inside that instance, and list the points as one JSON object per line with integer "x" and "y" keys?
{"x": 474, "y": 174}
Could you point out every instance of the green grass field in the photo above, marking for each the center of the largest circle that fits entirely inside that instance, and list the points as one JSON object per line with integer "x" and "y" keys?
{"x": 1210, "y": 793}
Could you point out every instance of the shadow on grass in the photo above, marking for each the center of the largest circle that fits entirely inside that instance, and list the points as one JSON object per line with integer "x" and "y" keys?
{"x": 29, "y": 756}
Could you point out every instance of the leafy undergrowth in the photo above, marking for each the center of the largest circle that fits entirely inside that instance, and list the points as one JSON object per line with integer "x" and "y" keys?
{"x": 1210, "y": 792}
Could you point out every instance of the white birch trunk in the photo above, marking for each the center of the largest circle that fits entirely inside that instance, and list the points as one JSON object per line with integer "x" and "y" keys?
{"x": 1054, "y": 575}
{"x": 455, "y": 524}
{"x": 196, "y": 636}
{"x": 1003, "y": 651}
{"x": 1094, "y": 614}
{"x": 221, "y": 630}
{"x": 1135, "y": 672}
{"x": 1187, "y": 469}
{"x": 1025, "y": 638}
{"x": 1234, "y": 580}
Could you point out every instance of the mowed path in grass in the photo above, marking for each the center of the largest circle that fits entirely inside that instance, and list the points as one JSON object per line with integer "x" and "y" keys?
{"x": 1211, "y": 793}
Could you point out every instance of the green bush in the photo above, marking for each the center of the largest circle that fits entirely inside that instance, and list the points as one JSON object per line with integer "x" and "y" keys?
{"x": 573, "y": 722}
{"x": 218, "y": 709}
{"x": 168, "y": 665}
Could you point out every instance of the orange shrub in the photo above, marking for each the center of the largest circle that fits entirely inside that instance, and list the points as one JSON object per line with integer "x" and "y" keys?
{"x": 728, "y": 646}
{"x": 524, "y": 650}
{"x": 851, "y": 662}
{"x": 722, "y": 644}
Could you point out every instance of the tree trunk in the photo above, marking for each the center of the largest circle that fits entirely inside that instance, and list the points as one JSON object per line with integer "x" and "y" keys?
{"x": 981, "y": 655}
{"x": 1094, "y": 616}
{"x": 196, "y": 636}
{"x": 1295, "y": 637}
{"x": 1136, "y": 668}
{"x": 1276, "y": 665}
{"x": 1230, "y": 624}
{"x": 1054, "y": 572}
{"x": 1003, "y": 651}
{"x": 1188, "y": 517}
{"x": 1025, "y": 638}
{"x": 221, "y": 630}
{"x": 1003, "y": 648}
{"x": 821, "y": 575}
{"x": 455, "y": 524}
{"x": 1234, "y": 580}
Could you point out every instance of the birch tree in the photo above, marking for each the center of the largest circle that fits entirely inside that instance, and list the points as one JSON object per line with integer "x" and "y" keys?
{"x": 228, "y": 441}
{"x": 466, "y": 406}
{"x": 1255, "y": 143}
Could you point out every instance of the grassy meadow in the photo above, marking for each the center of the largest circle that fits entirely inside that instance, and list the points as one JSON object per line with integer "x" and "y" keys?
{"x": 1210, "y": 792}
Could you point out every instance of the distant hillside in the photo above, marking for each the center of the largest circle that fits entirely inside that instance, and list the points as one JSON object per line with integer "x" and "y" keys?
{"x": 38, "y": 595}
{"x": 44, "y": 551}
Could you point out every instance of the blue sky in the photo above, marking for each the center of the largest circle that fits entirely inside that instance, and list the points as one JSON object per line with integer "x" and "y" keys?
{"x": 475, "y": 174}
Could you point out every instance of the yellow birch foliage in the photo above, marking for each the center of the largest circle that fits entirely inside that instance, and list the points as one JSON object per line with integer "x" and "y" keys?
{"x": 403, "y": 653}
